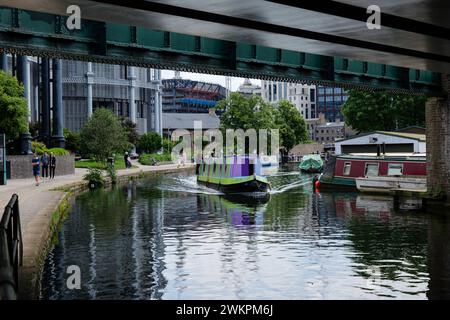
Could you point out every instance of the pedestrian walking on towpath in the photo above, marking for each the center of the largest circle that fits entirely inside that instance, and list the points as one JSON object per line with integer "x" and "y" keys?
{"x": 52, "y": 165}
{"x": 36, "y": 163}
{"x": 45, "y": 162}
{"x": 127, "y": 160}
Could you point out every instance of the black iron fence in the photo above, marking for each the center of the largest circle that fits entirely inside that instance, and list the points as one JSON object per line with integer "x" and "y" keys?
{"x": 11, "y": 250}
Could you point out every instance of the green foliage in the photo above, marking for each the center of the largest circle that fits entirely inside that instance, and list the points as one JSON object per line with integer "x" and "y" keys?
{"x": 119, "y": 164}
{"x": 147, "y": 159}
{"x": 38, "y": 147}
{"x": 167, "y": 145}
{"x": 103, "y": 135}
{"x": 150, "y": 142}
{"x": 13, "y": 107}
{"x": 59, "y": 151}
{"x": 95, "y": 178}
{"x": 370, "y": 111}
{"x": 73, "y": 141}
{"x": 131, "y": 131}
{"x": 112, "y": 173}
{"x": 246, "y": 112}
{"x": 291, "y": 124}
{"x": 243, "y": 112}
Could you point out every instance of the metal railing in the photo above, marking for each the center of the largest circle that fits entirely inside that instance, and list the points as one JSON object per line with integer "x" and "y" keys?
{"x": 11, "y": 250}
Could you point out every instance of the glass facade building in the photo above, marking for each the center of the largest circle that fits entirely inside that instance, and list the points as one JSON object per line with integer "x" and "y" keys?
{"x": 330, "y": 101}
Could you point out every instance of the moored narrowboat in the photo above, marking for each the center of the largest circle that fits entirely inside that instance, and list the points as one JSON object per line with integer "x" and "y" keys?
{"x": 236, "y": 175}
{"x": 311, "y": 163}
{"x": 343, "y": 170}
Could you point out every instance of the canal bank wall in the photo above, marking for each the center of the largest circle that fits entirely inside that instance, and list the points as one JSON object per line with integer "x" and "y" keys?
{"x": 40, "y": 231}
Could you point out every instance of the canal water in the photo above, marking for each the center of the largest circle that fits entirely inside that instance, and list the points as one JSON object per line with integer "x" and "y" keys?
{"x": 168, "y": 238}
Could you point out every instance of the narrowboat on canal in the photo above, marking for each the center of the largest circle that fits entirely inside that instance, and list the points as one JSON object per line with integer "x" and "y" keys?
{"x": 345, "y": 170}
{"x": 233, "y": 175}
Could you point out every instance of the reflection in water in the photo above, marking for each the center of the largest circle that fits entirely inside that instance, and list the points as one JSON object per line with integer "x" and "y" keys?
{"x": 152, "y": 239}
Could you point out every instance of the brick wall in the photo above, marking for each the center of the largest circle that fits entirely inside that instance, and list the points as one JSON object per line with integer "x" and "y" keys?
{"x": 21, "y": 166}
{"x": 438, "y": 142}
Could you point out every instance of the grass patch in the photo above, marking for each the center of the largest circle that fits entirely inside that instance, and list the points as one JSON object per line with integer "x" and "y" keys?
{"x": 119, "y": 164}
{"x": 146, "y": 159}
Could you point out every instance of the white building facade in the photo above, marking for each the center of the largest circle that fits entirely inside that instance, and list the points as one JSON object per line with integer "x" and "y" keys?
{"x": 394, "y": 142}
{"x": 249, "y": 89}
{"x": 303, "y": 96}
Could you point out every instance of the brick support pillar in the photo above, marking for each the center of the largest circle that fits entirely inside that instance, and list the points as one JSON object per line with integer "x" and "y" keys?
{"x": 438, "y": 143}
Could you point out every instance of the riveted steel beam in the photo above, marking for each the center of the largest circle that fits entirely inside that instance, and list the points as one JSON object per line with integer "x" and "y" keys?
{"x": 43, "y": 34}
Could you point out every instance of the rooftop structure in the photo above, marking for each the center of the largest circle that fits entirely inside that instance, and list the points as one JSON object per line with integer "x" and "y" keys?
{"x": 183, "y": 95}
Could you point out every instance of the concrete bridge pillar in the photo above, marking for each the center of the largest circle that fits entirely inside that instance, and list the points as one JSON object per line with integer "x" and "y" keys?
{"x": 90, "y": 82}
{"x": 45, "y": 111}
{"x": 132, "y": 101}
{"x": 438, "y": 142}
{"x": 23, "y": 75}
{"x": 58, "y": 133}
{"x": 158, "y": 103}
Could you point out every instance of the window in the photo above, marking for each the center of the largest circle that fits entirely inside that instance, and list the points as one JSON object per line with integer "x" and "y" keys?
{"x": 395, "y": 169}
{"x": 347, "y": 167}
{"x": 371, "y": 170}
{"x": 123, "y": 72}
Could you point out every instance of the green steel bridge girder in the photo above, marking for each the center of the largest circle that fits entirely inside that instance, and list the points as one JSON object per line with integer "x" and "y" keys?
{"x": 41, "y": 34}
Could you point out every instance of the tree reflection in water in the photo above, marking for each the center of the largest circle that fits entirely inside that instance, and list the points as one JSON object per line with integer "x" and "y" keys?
{"x": 147, "y": 241}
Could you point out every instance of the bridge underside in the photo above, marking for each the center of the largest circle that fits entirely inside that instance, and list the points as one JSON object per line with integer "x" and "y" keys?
{"x": 324, "y": 43}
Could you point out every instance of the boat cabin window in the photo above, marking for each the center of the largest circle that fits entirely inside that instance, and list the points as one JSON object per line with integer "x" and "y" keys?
{"x": 347, "y": 167}
{"x": 395, "y": 169}
{"x": 218, "y": 170}
{"x": 371, "y": 170}
{"x": 251, "y": 169}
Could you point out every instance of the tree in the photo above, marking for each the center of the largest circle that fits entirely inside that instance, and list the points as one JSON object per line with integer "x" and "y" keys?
{"x": 370, "y": 111}
{"x": 150, "y": 142}
{"x": 246, "y": 112}
{"x": 292, "y": 125}
{"x": 73, "y": 140}
{"x": 131, "y": 131}
{"x": 13, "y": 107}
{"x": 252, "y": 112}
{"x": 167, "y": 145}
{"x": 103, "y": 135}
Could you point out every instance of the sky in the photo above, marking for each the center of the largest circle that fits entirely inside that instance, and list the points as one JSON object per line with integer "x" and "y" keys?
{"x": 235, "y": 82}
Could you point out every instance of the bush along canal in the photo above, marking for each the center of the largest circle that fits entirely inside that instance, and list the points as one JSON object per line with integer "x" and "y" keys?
{"x": 165, "y": 237}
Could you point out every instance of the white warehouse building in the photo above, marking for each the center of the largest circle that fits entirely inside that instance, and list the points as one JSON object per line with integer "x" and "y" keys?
{"x": 394, "y": 142}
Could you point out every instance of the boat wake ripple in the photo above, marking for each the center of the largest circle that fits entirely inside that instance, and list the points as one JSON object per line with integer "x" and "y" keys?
{"x": 284, "y": 188}
{"x": 187, "y": 184}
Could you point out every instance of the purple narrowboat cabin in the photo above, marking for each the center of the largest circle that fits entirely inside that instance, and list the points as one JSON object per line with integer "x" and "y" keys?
{"x": 233, "y": 175}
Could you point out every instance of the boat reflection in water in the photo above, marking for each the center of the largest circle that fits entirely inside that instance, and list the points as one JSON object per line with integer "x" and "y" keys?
{"x": 240, "y": 210}
{"x": 404, "y": 253}
{"x": 152, "y": 239}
